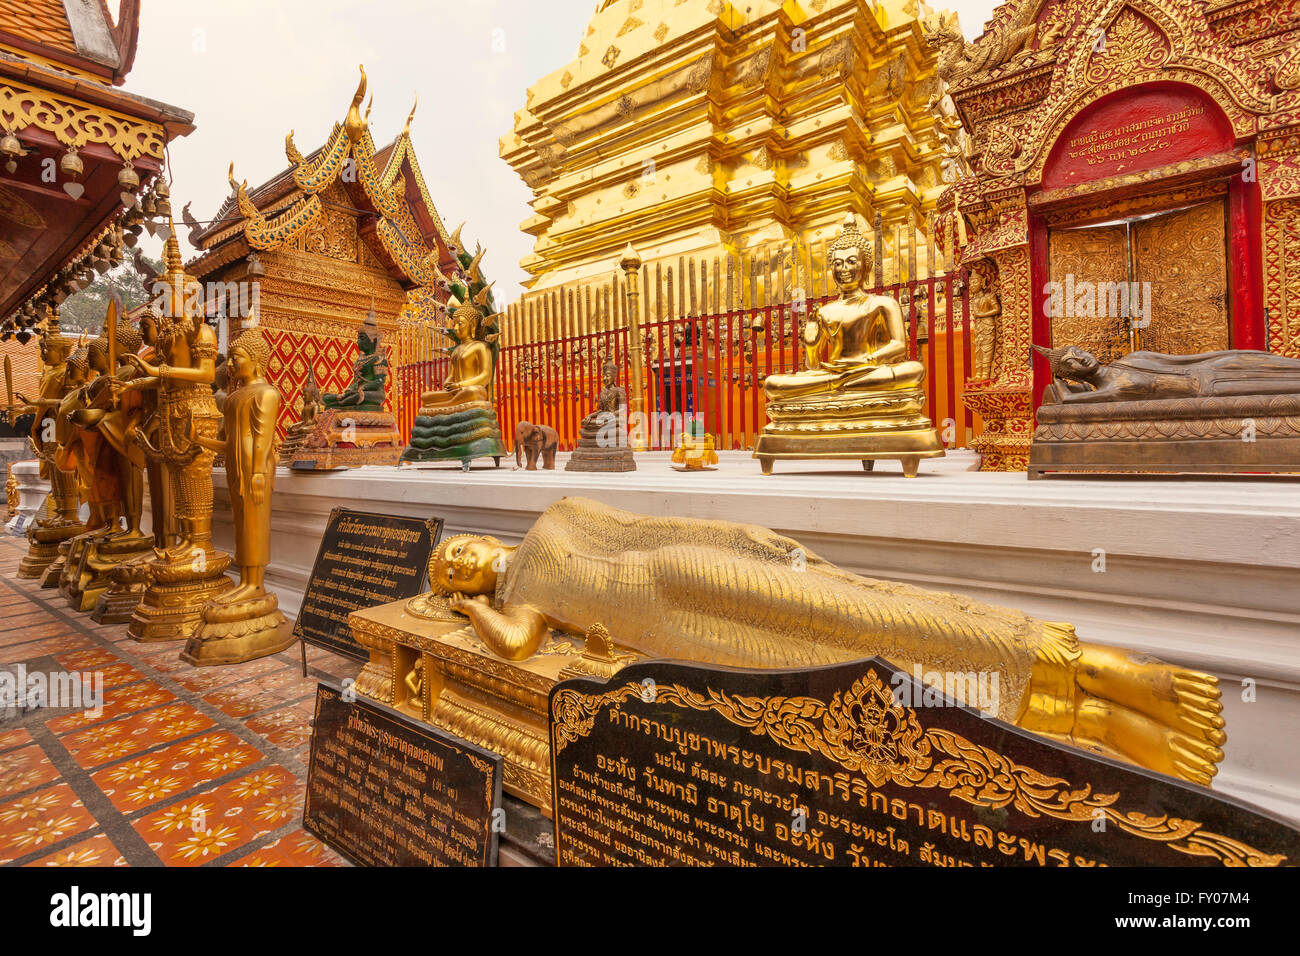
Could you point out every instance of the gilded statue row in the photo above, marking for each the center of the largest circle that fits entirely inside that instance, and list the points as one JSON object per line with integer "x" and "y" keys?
{"x": 137, "y": 402}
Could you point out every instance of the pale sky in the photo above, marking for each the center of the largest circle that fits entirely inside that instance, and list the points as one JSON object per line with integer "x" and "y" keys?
{"x": 251, "y": 70}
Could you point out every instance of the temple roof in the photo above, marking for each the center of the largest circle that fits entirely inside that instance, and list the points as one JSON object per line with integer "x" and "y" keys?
{"x": 61, "y": 66}
{"x": 385, "y": 185}
{"x": 79, "y": 35}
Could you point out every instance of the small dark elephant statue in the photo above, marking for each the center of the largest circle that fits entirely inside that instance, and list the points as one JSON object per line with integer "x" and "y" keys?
{"x": 535, "y": 440}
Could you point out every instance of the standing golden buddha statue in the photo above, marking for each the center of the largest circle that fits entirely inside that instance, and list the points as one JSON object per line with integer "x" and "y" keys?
{"x": 185, "y": 576}
{"x": 58, "y": 521}
{"x": 246, "y": 623}
{"x": 860, "y": 396}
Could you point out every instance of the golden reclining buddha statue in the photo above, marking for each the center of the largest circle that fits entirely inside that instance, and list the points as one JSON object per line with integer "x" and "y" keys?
{"x": 721, "y": 593}
{"x": 859, "y": 395}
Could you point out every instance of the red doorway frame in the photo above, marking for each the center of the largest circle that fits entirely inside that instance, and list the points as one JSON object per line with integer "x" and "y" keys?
{"x": 1245, "y": 258}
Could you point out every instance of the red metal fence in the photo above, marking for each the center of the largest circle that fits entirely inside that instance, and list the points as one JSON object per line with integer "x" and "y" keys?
{"x": 711, "y": 366}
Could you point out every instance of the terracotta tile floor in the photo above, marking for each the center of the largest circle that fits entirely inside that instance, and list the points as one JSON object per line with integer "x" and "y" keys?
{"x": 184, "y": 766}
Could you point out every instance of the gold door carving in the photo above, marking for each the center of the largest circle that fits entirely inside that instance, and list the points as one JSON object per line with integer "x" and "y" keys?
{"x": 1184, "y": 257}
{"x": 1090, "y": 255}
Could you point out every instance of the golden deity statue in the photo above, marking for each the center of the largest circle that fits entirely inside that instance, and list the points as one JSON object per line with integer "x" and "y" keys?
{"x": 722, "y": 593}
{"x": 246, "y": 623}
{"x": 458, "y": 420}
{"x": 136, "y": 417}
{"x": 58, "y": 521}
{"x": 110, "y": 466}
{"x": 860, "y": 395}
{"x": 70, "y": 458}
{"x": 191, "y": 572}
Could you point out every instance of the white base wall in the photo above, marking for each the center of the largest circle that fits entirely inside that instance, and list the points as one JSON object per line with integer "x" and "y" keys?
{"x": 1202, "y": 572}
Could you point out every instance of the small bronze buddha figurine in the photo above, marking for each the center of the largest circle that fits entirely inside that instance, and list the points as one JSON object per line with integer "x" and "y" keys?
{"x": 602, "y": 435}
{"x": 860, "y": 396}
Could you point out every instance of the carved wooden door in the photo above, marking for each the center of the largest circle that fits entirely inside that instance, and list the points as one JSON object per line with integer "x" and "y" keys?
{"x": 1183, "y": 255}
{"x": 1167, "y": 271}
{"x": 1078, "y": 260}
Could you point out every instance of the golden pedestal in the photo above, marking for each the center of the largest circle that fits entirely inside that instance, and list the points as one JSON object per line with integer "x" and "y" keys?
{"x": 349, "y": 438}
{"x": 1008, "y": 417}
{"x": 235, "y": 633}
{"x": 468, "y": 691}
{"x": 58, "y": 523}
{"x": 91, "y": 557}
{"x": 128, "y": 583}
{"x": 181, "y": 585}
{"x": 53, "y": 572}
{"x": 850, "y": 425}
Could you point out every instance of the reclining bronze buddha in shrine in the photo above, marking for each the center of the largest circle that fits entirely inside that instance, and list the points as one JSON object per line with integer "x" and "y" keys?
{"x": 592, "y": 588}
{"x": 1214, "y": 412}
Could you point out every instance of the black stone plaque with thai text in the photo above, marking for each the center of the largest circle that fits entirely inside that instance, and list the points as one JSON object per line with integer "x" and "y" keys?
{"x": 385, "y": 790}
{"x": 859, "y": 765}
{"x": 364, "y": 560}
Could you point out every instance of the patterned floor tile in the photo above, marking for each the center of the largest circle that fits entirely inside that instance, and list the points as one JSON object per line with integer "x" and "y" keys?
{"x": 118, "y": 675}
{"x": 297, "y": 849}
{"x": 203, "y": 828}
{"x": 9, "y": 739}
{"x": 142, "y": 781}
{"x": 87, "y": 660}
{"x": 130, "y": 735}
{"x": 23, "y": 769}
{"x": 97, "y": 851}
{"x": 117, "y": 703}
{"x": 42, "y": 648}
{"x": 289, "y": 727}
{"x": 40, "y": 820}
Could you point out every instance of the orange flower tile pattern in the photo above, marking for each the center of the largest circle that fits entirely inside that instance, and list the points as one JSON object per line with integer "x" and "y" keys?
{"x": 40, "y": 820}
{"x": 188, "y": 765}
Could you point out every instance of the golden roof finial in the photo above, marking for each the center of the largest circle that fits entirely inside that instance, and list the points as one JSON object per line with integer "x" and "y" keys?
{"x": 354, "y": 123}
{"x": 457, "y": 246}
{"x": 406, "y": 130}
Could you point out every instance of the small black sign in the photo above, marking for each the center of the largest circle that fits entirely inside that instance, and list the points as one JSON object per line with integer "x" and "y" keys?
{"x": 860, "y": 765}
{"x": 385, "y": 790}
{"x": 364, "y": 560}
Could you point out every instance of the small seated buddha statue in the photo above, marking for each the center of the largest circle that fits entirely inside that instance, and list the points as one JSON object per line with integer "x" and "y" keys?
{"x": 297, "y": 433}
{"x": 350, "y": 428}
{"x": 458, "y": 421}
{"x": 860, "y": 395}
{"x": 602, "y": 435}
{"x": 369, "y": 373}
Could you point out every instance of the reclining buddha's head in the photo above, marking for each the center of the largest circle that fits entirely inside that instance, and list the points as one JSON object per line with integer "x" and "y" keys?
{"x": 1070, "y": 362}
{"x": 467, "y": 564}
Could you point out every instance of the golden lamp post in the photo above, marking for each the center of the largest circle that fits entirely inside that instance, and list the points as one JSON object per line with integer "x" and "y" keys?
{"x": 631, "y": 264}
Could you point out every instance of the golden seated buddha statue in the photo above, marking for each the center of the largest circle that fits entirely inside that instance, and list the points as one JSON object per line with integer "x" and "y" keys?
{"x": 860, "y": 395}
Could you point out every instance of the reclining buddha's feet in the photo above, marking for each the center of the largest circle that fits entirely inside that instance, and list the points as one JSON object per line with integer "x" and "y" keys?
{"x": 1155, "y": 714}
